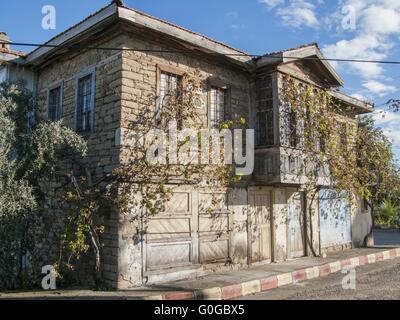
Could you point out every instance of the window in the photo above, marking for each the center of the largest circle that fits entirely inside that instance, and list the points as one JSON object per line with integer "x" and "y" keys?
{"x": 343, "y": 136}
{"x": 293, "y": 126}
{"x": 292, "y": 129}
{"x": 170, "y": 86}
{"x": 55, "y": 104}
{"x": 85, "y": 104}
{"x": 265, "y": 112}
{"x": 218, "y": 100}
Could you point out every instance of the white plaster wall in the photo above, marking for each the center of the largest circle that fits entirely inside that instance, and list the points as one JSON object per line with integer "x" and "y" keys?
{"x": 3, "y": 74}
{"x": 18, "y": 73}
{"x": 238, "y": 204}
{"x": 280, "y": 224}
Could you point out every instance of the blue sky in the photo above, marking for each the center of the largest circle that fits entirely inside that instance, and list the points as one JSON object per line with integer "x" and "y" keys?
{"x": 355, "y": 29}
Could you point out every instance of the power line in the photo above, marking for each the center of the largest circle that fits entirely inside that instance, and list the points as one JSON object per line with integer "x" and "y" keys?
{"x": 271, "y": 56}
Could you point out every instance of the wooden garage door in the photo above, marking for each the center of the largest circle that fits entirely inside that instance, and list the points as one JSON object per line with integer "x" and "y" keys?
{"x": 170, "y": 236}
{"x": 260, "y": 227}
{"x": 189, "y": 233}
{"x": 214, "y": 228}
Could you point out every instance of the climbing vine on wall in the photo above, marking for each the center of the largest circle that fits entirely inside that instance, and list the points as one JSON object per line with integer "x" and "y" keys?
{"x": 339, "y": 149}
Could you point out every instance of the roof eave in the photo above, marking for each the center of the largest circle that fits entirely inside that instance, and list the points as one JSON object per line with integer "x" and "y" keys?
{"x": 298, "y": 54}
{"x": 9, "y": 57}
{"x": 360, "y": 106}
{"x": 135, "y": 17}
{"x": 35, "y": 56}
{"x": 199, "y": 41}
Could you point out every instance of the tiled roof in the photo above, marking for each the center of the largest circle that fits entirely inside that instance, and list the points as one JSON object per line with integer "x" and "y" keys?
{"x": 13, "y": 52}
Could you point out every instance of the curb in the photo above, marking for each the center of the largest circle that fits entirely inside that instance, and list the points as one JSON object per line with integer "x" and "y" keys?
{"x": 280, "y": 280}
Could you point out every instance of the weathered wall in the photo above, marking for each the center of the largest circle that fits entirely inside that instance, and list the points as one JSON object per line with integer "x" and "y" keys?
{"x": 139, "y": 82}
{"x": 13, "y": 73}
{"x": 103, "y": 154}
{"x": 238, "y": 204}
{"x": 280, "y": 219}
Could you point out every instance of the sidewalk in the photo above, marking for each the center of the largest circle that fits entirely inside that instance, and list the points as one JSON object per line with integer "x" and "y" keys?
{"x": 234, "y": 284}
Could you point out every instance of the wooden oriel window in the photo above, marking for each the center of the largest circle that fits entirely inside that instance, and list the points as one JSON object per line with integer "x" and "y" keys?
{"x": 265, "y": 113}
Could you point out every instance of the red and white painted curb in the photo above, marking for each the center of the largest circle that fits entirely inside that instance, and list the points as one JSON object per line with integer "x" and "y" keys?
{"x": 262, "y": 285}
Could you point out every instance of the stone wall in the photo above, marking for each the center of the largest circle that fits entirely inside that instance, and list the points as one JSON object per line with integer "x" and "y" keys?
{"x": 103, "y": 153}
{"x": 139, "y": 82}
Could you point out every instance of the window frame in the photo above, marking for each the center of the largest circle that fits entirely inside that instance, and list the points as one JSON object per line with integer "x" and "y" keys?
{"x": 91, "y": 71}
{"x": 270, "y": 114}
{"x": 214, "y": 83}
{"x": 58, "y": 84}
{"x": 170, "y": 70}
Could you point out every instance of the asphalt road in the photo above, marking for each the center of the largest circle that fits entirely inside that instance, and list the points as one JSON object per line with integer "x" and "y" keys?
{"x": 379, "y": 281}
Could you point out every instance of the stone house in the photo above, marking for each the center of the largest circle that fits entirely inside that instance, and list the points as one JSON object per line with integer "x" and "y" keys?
{"x": 96, "y": 92}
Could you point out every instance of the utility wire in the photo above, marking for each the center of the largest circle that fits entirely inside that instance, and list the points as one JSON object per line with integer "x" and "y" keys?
{"x": 268, "y": 56}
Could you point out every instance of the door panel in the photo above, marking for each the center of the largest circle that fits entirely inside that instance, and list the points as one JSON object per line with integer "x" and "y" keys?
{"x": 296, "y": 228}
{"x": 169, "y": 235}
{"x": 335, "y": 218}
{"x": 260, "y": 226}
{"x": 214, "y": 228}
{"x": 188, "y": 233}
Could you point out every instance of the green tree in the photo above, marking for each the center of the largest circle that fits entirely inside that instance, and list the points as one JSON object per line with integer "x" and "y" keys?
{"x": 31, "y": 151}
{"x": 387, "y": 214}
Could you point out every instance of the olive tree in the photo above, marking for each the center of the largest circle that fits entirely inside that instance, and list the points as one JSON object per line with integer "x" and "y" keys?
{"x": 30, "y": 151}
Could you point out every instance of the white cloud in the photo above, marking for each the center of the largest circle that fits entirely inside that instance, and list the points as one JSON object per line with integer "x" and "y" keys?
{"x": 362, "y": 47}
{"x": 376, "y": 34}
{"x": 272, "y": 3}
{"x": 381, "y": 20}
{"x": 298, "y": 14}
{"x": 394, "y": 136}
{"x": 376, "y": 22}
{"x": 389, "y": 122}
{"x": 386, "y": 118}
{"x": 379, "y": 88}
